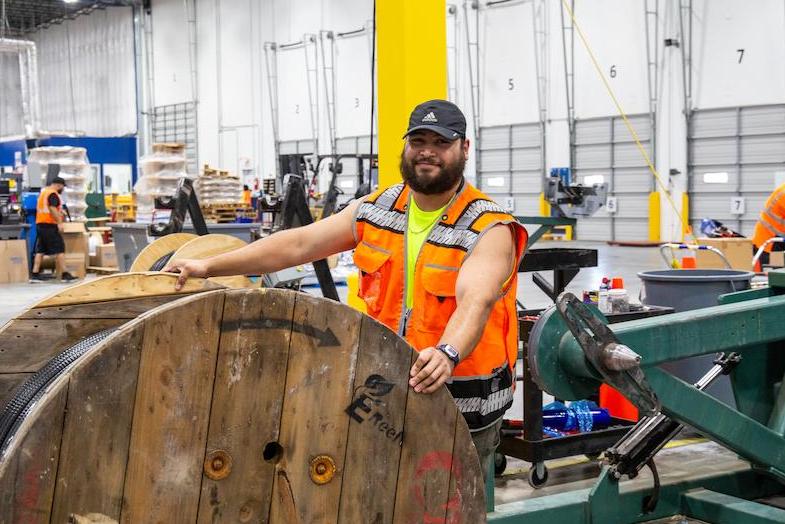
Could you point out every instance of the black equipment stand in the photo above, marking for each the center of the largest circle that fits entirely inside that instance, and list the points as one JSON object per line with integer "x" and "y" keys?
{"x": 527, "y": 443}
{"x": 294, "y": 213}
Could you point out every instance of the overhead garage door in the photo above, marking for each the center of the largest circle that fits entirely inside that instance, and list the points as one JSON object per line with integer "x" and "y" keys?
{"x": 604, "y": 147}
{"x": 511, "y": 167}
{"x": 736, "y": 158}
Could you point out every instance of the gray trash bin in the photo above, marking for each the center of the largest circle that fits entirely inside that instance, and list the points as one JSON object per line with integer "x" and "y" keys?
{"x": 687, "y": 289}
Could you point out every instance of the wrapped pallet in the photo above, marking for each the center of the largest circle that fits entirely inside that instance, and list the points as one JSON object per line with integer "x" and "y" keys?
{"x": 161, "y": 171}
{"x": 215, "y": 186}
{"x": 74, "y": 169}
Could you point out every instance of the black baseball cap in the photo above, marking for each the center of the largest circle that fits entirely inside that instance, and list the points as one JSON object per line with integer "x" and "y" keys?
{"x": 58, "y": 180}
{"x": 439, "y": 116}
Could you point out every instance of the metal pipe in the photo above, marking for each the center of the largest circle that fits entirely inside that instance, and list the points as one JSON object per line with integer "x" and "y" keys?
{"x": 762, "y": 248}
{"x": 351, "y": 33}
{"x": 27, "y": 56}
{"x": 694, "y": 247}
{"x": 473, "y": 89}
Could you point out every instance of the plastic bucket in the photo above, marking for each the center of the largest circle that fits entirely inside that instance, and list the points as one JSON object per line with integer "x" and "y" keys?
{"x": 686, "y": 289}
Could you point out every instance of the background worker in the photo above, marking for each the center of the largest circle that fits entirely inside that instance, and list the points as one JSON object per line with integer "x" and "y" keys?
{"x": 49, "y": 218}
{"x": 771, "y": 223}
{"x": 438, "y": 262}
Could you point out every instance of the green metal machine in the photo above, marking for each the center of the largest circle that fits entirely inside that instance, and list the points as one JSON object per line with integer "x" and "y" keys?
{"x": 572, "y": 351}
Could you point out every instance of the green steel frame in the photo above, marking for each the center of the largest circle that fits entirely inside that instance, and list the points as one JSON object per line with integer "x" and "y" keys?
{"x": 750, "y": 323}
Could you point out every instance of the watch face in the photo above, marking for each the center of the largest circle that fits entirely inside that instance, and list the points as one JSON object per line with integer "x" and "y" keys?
{"x": 450, "y": 351}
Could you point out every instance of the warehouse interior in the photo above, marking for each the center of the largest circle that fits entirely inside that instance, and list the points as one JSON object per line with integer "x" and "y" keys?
{"x": 255, "y": 266}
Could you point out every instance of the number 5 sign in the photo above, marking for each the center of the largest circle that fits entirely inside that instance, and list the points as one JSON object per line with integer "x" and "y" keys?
{"x": 737, "y": 205}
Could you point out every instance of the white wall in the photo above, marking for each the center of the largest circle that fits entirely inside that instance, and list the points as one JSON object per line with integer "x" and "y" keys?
{"x": 234, "y": 114}
{"x": 234, "y": 107}
{"x": 721, "y": 28}
{"x": 11, "y": 118}
{"x": 86, "y": 75}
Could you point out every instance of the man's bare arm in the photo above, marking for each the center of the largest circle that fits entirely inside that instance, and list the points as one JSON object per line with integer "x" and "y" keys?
{"x": 278, "y": 251}
{"x": 479, "y": 286}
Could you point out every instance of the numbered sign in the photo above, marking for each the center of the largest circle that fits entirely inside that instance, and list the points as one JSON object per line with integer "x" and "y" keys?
{"x": 509, "y": 204}
{"x": 737, "y": 205}
{"x": 611, "y": 205}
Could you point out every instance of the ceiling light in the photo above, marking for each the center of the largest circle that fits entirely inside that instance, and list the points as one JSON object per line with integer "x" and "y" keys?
{"x": 70, "y": 1}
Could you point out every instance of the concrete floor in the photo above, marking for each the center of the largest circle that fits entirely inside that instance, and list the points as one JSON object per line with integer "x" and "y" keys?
{"x": 565, "y": 474}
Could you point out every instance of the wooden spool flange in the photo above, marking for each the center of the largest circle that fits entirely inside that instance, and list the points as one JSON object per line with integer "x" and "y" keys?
{"x": 281, "y": 382}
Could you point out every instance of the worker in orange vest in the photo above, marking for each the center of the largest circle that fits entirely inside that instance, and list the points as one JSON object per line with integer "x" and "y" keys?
{"x": 771, "y": 224}
{"x": 438, "y": 262}
{"x": 49, "y": 220}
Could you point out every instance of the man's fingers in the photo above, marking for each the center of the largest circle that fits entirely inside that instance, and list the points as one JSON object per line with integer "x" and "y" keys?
{"x": 436, "y": 384}
{"x": 181, "y": 278}
{"x": 422, "y": 359}
{"x": 423, "y": 375}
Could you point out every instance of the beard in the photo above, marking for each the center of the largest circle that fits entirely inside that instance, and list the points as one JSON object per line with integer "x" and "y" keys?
{"x": 447, "y": 177}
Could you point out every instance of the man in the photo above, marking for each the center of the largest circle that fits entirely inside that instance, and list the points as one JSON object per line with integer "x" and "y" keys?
{"x": 49, "y": 220}
{"x": 438, "y": 262}
{"x": 770, "y": 224}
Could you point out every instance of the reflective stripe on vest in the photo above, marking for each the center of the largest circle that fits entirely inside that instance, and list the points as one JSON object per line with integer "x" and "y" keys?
{"x": 43, "y": 215}
{"x": 772, "y": 219}
{"x": 482, "y": 383}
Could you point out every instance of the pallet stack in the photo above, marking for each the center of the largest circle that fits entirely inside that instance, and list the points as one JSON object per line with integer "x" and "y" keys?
{"x": 227, "y": 213}
{"x": 221, "y": 197}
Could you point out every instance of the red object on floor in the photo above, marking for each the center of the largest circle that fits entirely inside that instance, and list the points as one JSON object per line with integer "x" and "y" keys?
{"x": 616, "y": 404}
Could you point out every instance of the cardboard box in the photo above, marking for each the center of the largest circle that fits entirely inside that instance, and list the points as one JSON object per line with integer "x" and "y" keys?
{"x": 76, "y": 243}
{"x": 75, "y": 263}
{"x": 13, "y": 261}
{"x": 738, "y": 251}
{"x": 74, "y": 227}
{"x": 777, "y": 259}
{"x": 106, "y": 256}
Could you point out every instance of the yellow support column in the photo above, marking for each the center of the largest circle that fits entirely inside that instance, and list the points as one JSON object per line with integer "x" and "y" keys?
{"x": 654, "y": 217}
{"x": 686, "y": 229}
{"x": 411, "y": 45}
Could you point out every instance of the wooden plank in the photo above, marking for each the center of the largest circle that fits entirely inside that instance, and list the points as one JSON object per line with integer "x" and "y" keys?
{"x": 97, "y": 428}
{"x": 467, "y": 491}
{"x": 319, "y": 383}
{"x": 207, "y": 246}
{"x": 423, "y": 487}
{"x": 125, "y": 285}
{"x": 27, "y": 475}
{"x": 236, "y": 282}
{"x": 8, "y": 383}
{"x": 128, "y": 308}
{"x": 158, "y": 248}
{"x": 171, "y": 411}
{"x": 26, "y": 345}
{"x": 247, "y": 402}
{"x": 376, "y": 415}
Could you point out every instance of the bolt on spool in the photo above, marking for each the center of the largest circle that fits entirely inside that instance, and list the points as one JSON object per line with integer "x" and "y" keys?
{"x": 322, "y": 469}
{"x": 217, "y": 464}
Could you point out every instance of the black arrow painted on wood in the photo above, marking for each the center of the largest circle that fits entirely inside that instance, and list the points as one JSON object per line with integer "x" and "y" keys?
{"x": 325, "y": 337}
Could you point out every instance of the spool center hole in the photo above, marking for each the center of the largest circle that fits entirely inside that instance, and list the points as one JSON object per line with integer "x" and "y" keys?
{"x": 272, "y": 452}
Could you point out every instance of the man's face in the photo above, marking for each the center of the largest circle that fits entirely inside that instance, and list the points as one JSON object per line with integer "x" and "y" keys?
{"x": 58, "y": 188}
{"x": 432, "y": 164}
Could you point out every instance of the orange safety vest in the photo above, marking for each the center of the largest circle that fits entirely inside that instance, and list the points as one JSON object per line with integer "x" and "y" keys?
{"x": 42, "y": 213}
{"x": 482, "y": 384}
{"x": 772, "y": 219}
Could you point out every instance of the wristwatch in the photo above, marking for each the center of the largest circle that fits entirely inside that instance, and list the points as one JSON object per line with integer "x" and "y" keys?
{"x": 450, "y": 352}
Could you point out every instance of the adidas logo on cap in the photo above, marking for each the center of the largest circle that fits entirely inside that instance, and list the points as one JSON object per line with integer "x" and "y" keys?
{"x": 430, "y": 117}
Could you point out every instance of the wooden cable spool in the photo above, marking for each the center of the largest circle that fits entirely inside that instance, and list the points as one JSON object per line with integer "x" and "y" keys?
{"x": 158, "y": 248}
{"x": 244, "y": 405}
{"x": 186, "y": 245}
{"x": 34, "y": 337}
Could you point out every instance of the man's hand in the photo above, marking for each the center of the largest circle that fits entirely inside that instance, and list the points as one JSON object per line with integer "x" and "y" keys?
{"x": 186, "y": 268}
{"x": 60, "y": 227}
{"x": 430, "y": 371}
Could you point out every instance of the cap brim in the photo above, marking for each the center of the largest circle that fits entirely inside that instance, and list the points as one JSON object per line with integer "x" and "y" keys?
{"x": 443, "y": 131}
